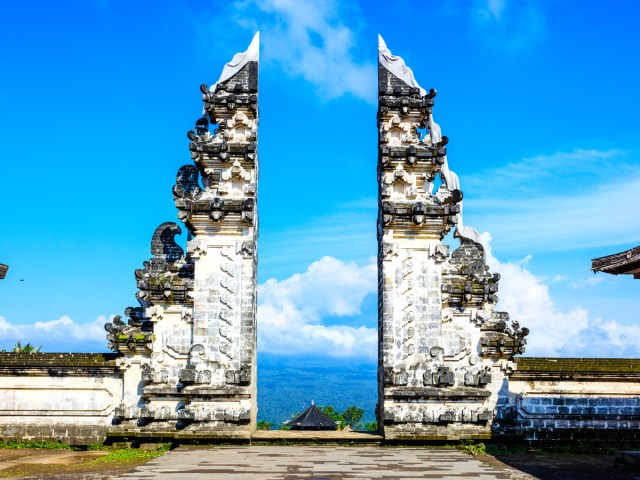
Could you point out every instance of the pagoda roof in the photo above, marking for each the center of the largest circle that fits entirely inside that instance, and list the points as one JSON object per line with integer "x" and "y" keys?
{"x": 312, "y": 418}
{"x": 627, "y": 262}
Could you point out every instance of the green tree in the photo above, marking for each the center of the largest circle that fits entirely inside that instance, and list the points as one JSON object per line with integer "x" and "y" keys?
{"x": 264, "y": 425}
{"x": 333, "y": 414}
{"x": 371, "y": 426}
{"x": 353, "y": 416}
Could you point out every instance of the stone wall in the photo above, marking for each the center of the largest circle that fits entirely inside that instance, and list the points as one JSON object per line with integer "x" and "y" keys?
{"x": 74, "y": 397}
{"x": 66, "y": 397}
{"x": 571, "y": 399}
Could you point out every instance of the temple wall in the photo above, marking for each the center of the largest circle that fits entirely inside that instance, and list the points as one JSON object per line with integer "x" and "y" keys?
{"x": 572, "y": 399}
{"x": 73, "y": 397}
{"x": 66, "y": 397}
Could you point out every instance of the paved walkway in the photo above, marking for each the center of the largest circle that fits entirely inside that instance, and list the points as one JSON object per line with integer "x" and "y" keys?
{"x": 313, "y": 463}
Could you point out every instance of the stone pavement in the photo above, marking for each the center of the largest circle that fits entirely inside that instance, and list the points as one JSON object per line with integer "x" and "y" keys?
{"x": 313, "y": 463}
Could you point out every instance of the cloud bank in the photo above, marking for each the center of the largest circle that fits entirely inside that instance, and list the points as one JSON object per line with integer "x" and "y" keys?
{"x": 292, "y": 313}
{"x": 573, "y": 333}
{"x": 61, "y": 335}
{"x": 320, "y": 313}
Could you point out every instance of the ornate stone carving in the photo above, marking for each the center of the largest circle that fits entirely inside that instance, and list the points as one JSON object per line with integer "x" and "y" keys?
{"x": 166, "y": 278}
{"x": 192, "y": 341}
{"x": 128, "y": 338}
{"x": 440, "y": 339}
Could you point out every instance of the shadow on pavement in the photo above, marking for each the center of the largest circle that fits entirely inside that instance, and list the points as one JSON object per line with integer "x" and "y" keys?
{"x": 571, "y": 466}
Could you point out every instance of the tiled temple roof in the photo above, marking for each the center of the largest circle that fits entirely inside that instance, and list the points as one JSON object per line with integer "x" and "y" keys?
{"x": 312, "y": 418}
{"x": 627, "y": 262}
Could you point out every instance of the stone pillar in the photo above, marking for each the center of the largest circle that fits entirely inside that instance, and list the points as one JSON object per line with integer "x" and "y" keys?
{"x": 190, "y": 349}
{"x": 443, "y": 351}
{"x": 220, "y": 377}
{"x": 222, "y": 216}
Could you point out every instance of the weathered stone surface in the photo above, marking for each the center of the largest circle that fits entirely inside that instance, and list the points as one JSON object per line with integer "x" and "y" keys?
{"x": 444, "y": 352}
{"x": 314, "y": 462}
{"x": 190, "y": 348}
{"x": 566, "y": 399}
{"x": 67, "y": 397}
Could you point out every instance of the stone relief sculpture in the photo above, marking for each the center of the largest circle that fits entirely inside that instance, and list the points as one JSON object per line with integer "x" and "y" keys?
{"x": 189, "y": 350}
{"x": 443, "y": 352}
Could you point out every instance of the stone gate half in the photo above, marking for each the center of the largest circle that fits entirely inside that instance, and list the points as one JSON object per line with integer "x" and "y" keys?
{"x": 190, "y": 347}
{"x": 443, "y": 351}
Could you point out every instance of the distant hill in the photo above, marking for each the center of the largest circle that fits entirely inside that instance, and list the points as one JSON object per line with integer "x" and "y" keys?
{"x": 286, "y": 385}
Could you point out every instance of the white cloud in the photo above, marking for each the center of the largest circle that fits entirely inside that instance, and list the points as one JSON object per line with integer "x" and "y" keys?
{"x": 586, "y": 282}
{"x": 508, "y": 26}
{"x": 56, "y": 335}
{"x": 291, "y": 311}
{"x": 492, "y": 8}
{"x": 557, "y": 202}
{"x": 309, "y": 39}
{"x": 554, "y": 332}
{"x": 556, "y": 170}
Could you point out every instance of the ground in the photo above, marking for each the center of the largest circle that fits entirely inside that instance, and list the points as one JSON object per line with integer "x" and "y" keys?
{"x": 44, "y": 464}
{"x": 310, "y": 462}
{"x": 566, "y": 466}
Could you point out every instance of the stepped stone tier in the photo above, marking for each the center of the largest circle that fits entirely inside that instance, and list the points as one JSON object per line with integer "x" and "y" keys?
{"x": 189, "y": 350}
{"x": 444, "y": 353}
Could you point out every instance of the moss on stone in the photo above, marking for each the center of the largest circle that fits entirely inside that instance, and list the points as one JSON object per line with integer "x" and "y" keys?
{"x": 573, "y": 365}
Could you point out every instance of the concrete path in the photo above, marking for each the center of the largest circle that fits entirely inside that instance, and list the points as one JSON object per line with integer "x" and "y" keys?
{"x": 313, "y": 463}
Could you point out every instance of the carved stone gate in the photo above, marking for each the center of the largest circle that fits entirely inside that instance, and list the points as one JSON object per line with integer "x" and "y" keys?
{"x": 444, "y": 353}
{"x": 189, "y": 349}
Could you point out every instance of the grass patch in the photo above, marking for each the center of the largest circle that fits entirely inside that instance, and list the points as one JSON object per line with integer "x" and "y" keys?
{"x": 471, "y": 447}
{"x": 126, "y": 455}
{"x": 35, "y": 444}
{"x": 108, "y": 462}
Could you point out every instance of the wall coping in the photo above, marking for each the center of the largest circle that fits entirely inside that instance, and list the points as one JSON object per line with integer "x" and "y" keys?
{"x": 54, "y": 364}
{"x": 590, "y": 369}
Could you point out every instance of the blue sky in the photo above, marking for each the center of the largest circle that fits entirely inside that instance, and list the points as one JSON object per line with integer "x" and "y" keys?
{"x": 539, "y": 100}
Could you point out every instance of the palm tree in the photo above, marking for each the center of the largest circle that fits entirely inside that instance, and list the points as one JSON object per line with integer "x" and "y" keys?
{"x": 28, "y": 348}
